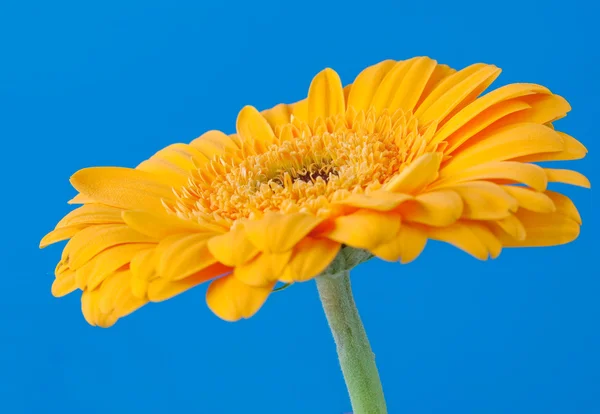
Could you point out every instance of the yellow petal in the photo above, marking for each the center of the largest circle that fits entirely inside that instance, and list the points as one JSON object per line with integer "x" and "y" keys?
{"x": 564, "y": 206}
{"x": 277, "y": 233}
{"x": 484, "y": 200}
{"x": 461, "y": 236}
{"x": 92, "y": 240}
{"x": 60, "y": 234}
{"x": 81, "y": 199}
{"x": 436, "y": 208}
{"x": 213, "y": 143}
{"x": 567, "y": 177}
{"x": 365, "y": 229}
{"x": 487, "y": 101}
{"x": 406, "y": 245}
{"x": 172, "y": 165}
{"x": 310, "y": 257}
{"x": 162, "y": 289}
{"x": 159, "y": 226}
{"x": 366, "y": 84}
{"x": 92, "y": 214}
{"x": 122, "y": 187}
{"x": 440, "y": 73}
{"x": 278, "y": 115}
{"x": 412, "y": 84}
{"x": 487, "y": 237}
{"x": 572, "y": 150}
{"x": 505, "y": 144}
{"x": 300, "y": 110}
{"x": 491, "y": 116}
{"x": 455, "y": 92}
{"x": 64, "y": 284}
{"x": 232, "y": 300}
{"x": 111, "y": 288}
{"x": 544, "y": 229}
{"x": 376, "y": 200}
{"x": 530, "y": 199}
{"x": 232, "y": 248}
{"x": 543, "y": 108}
{"x": 252, "y": 126}
{"x": 529, "y": 174}
{"x": 417, "y": 175}
{"x": 91, "y": 274}
{"x": 185, "y": 256}
{"x": 143, "y": 267}
{"x": 511, "y": 226}
{"x": 325, "y": 96}
{"x": 263, "y": 269}
{"x": 389, "y": 85}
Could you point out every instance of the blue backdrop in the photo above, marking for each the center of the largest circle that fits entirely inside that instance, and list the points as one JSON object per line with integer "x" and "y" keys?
{"x": 108, "y": 83}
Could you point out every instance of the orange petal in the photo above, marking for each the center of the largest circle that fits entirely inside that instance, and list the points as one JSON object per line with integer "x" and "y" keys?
{"x": 122, "y": 187}
{"x": 365, "y": 229}
{"x": 185, "y": 256}
{"x": 436, "y": 208}
{"x": 325, "y": 96}
{"x": 92, "y": 240}
{"x": 567, "y": 177}
{"x": 366, "y": 84}
{"x": 143, "y": 267}
{"x": 505, "y": 144}
{"x": 263, "y": 269}
{"x": 277, "y": 233}
{"x": 406, "y": 246}
{"x": 252, "y": 126}
{"x": 232, "y": 300}
{"x": 417, "y": 175}
{"x": 232, "y": 248}
{"x": 162, "y": 289}
{"x": 310, "y": 257}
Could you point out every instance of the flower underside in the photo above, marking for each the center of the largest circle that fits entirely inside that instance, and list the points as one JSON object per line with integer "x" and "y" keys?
{"x": 408, "y": 152}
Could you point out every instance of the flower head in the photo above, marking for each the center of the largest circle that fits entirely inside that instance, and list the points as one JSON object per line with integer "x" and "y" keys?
{"x": 408, "y": 152}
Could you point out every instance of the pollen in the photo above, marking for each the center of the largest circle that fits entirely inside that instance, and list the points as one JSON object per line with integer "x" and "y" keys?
{"x": 306, "y": 167}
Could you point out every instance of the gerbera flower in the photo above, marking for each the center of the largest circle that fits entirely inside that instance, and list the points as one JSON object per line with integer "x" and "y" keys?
{"x": 408, "y": 152}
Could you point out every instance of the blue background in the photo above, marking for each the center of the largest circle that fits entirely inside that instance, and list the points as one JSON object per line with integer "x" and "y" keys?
{"x": 109, "y": 83}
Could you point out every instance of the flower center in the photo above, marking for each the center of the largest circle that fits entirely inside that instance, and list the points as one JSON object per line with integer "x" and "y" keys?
{"x": 306, "y": 168}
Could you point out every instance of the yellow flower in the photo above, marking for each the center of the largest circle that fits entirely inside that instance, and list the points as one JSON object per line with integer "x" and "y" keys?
{"x": 408, "y": 152}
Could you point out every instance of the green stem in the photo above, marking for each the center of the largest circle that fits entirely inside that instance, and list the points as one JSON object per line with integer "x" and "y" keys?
{"x": 354, "y": 352}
